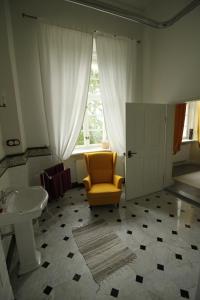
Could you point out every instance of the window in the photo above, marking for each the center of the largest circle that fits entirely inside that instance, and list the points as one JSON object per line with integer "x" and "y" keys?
{"x": 189, "y": 123}
{"x": 185, "y": 128}
{"x": 93, "y": 131}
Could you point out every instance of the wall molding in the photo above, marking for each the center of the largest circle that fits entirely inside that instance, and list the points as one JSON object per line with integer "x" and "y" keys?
{"x": 18, "y": 159}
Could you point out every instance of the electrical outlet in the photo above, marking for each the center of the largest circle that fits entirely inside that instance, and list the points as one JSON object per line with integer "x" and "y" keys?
{"x": 13, "y": 142}
{"x": 3, "y": 100}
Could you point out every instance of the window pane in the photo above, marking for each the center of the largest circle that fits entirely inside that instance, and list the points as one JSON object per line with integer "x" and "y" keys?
{"x": 80, "y": 140}
{"x": 95, "y": 123}
{"x": 96, "y": 137}
{"x": 93, "y": 130}
{"x": 185, "y": 128}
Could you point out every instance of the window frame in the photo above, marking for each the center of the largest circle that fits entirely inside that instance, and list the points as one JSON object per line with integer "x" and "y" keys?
{"x": 190, "y": 119}
{"x": 85, "y": 126}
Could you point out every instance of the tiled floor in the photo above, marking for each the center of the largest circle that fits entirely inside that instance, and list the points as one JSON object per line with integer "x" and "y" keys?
{"x": 186, "y": 191}
{"x": 184, "y": 186}
{"x": 163, "y": 231}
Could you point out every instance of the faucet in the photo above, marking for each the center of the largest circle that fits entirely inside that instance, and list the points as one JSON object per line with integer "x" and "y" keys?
{"x": 4, "y": 195}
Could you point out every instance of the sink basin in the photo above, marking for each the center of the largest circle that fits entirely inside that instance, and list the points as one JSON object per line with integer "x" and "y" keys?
{"x": 22, "y": 206}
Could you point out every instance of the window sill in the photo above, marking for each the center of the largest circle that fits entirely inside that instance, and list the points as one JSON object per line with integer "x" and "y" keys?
{"x": 187, "y": 141}
{"x": 78, "y": 151}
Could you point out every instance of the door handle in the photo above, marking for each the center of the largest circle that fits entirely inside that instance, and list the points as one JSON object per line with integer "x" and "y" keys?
{"x": 130, "y": 153}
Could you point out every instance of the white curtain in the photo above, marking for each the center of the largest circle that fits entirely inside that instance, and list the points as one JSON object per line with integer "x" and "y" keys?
{"x": 65, "y": 60}
{"x": 116, "y": 59}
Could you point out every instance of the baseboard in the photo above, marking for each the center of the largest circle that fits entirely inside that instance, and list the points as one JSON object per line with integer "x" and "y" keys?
{"x": 77, "y": 184}
{"x": 181, "y": 162}
{"x": 168, "y": 183}
{"x": 194, "y": 162}
{"x": 10, "y": 254}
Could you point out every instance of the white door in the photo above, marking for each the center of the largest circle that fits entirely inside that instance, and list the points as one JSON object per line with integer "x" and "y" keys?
{"x": 145, "y": 148}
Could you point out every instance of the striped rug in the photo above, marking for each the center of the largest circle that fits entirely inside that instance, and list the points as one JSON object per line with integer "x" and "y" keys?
{"x": 102, "y": 249}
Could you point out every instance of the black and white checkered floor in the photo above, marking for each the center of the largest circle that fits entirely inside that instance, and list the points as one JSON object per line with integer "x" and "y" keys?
{"x": 162, "y": 230}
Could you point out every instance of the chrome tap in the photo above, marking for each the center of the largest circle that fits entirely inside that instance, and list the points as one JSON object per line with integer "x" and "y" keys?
{"x": 4, "y": 195}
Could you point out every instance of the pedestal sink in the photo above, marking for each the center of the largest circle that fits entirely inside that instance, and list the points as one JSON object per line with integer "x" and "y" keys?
{"x": 22, "y": 206}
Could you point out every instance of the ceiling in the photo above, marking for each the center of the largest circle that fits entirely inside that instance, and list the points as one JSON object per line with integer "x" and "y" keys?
{"x": 144, "y": 4}
{"x": 139, "y": 5}
{"x": 156, "y": 10}
{"x": 148, "y": 8}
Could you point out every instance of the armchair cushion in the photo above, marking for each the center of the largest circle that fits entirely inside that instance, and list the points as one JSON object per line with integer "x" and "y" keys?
{"x": 102, "y": 188}
{"x": 103, "y": 193}
{"x": 100, "y": 167}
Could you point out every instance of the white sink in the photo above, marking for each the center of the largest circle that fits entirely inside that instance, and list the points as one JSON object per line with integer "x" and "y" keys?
{"x": 23, "y": 204}
{"x": 21, "y": 207}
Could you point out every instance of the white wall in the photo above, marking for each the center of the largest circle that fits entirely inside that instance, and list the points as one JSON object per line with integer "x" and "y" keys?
{"x": 10, "y": 120}
{"x": 2, "y": 152}
{"x": 35, "y": 165}
{"x": 169, "y": 145}
{"x": 29, "y": 174}
{"x": 195, "y": 152}
{"x": 171, "y": 60}
{"x": 12, "y": 56}
{"x": 184, "y": 154}
{"x": 4, "y": 181}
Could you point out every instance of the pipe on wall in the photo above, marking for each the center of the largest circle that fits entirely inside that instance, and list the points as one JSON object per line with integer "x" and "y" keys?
{"x": 133, "y": 17}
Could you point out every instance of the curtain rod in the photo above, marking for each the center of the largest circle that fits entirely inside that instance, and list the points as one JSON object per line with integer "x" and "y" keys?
{"x": 24, "y": 15}
{"x": 134, "y": 17}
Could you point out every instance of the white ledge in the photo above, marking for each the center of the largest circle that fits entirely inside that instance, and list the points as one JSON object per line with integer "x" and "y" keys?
{"x": 88, "y": 149}
{"x": 187, "y": 141}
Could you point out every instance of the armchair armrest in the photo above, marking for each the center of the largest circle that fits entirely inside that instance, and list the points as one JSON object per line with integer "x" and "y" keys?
{"x": 87, "y": 183}
{"x": 117, "y": 181}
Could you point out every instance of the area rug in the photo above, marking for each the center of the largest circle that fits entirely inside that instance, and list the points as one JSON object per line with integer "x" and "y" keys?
{"x": 103, "y": 251}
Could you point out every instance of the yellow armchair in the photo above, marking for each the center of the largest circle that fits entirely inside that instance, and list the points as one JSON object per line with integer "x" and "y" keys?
{"x": 102, "y": 185}
{"x": 87, "y": 183}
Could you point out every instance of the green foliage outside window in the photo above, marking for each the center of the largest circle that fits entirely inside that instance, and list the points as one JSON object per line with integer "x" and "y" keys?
{"x": 92, "y": 129}
{"x": 80, "y": 140}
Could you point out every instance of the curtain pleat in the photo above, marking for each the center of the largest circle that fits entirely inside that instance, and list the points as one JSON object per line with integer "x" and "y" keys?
{"x": 116, "y": 61}
{"x": 198, "y": 122}
{"x": 65, "y": 62}
{"x": 178, "y": 126}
